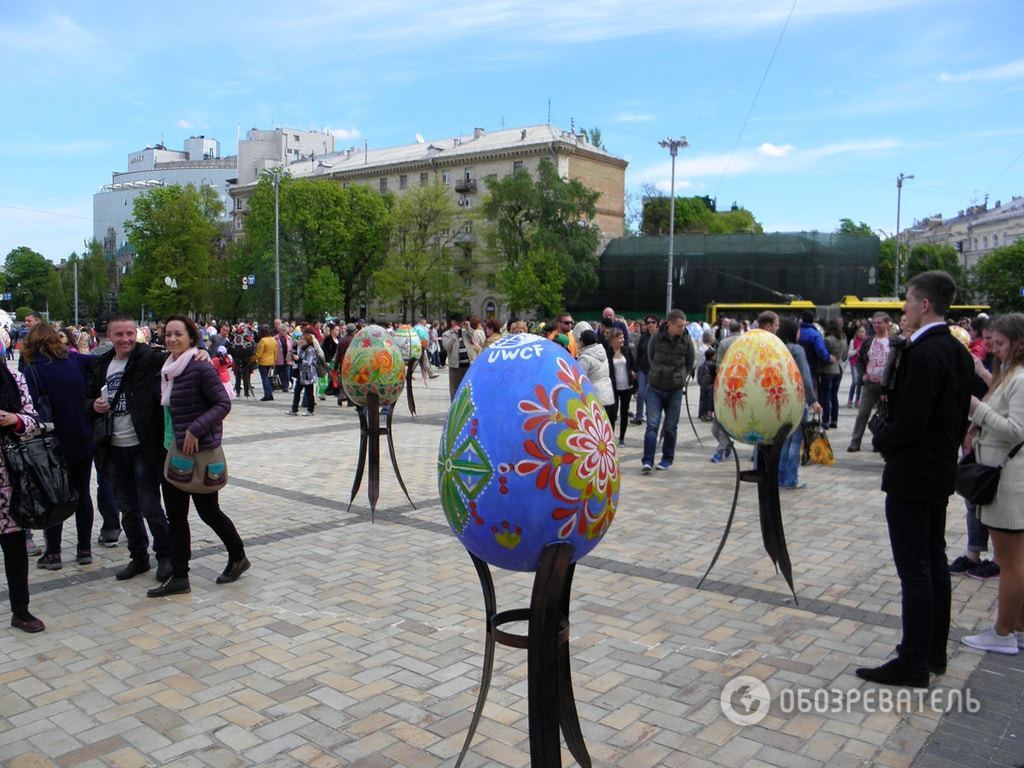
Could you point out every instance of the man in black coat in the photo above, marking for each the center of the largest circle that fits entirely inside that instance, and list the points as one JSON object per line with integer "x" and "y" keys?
{"x": 928, "y": 395}
{"x": 643, "y": 365}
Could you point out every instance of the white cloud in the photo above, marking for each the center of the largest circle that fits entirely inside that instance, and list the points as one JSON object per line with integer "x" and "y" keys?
{"x": 184, "y": 124}
{"x": 1010, "y": 71}
{"x": 774, "y": 150}
{"x": 343, "y": 134}
{"x": 71, "y": 147}
{"x": 767, "y": 158}
{"x": 628, "y": 117}
{"x": 665, "y": 185}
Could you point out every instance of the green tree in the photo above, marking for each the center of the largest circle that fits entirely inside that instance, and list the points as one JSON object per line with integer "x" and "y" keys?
{"x": 1000, "y": 277}
{"x": 542, "y": 236}
{"x": 422, "y": 267}
{"x": 29, "y": 277}
{"x": 694, "y": 216}
{"x": 323, "y": 293}
{"x": 175, "y": 235}
{"x": 927, "y": 256}
{"x": 847, "y": 227}
{"x": 322, "y": 224}
{"x": 594, "y": 137}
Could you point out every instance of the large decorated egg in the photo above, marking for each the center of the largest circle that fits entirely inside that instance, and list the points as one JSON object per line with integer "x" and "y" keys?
{"x": 758, "y": 388}
{"x": 527, "y": 456}
{"x": 373, "y": 365}
{"x": 409, "y": 342}
{"x": 961, "y": 335}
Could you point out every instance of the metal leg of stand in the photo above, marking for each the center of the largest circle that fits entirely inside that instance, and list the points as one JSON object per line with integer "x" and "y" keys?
{"x": 373, "y": 417}
{"x": 770, "y": 508}
{"x": 394, "y": 458}
{"x": 566, "y": 699}
{"x": 409, "y": 368}
{"x": 490, "y": 611}
{"x": 363, "y": 436}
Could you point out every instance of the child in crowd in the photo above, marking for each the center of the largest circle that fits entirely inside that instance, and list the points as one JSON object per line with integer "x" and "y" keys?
{"x": 706, "y": 381}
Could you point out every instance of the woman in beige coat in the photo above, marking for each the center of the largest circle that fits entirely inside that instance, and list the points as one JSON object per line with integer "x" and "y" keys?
{"x": 999, "y": 423}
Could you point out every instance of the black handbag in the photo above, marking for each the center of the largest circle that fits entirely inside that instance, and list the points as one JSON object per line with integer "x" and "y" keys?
{"x": 978, "y": 483}
{"x": 103, "y": 426}
{"x": 42, "y": 493}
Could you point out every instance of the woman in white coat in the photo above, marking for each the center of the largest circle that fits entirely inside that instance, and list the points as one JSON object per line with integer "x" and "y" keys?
{"x": 998, "y": 426}
{"x": 594, "y": 362}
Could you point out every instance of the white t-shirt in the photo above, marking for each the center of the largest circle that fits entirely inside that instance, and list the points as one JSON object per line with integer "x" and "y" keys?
{"x": 124, "y": 433}
{"x": 621, "y": 373}
{"x": 878, "y": 355}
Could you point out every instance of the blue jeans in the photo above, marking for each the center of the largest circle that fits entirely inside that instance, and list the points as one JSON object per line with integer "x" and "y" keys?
{"x": 789, "y": 462}
{"x": 977, "y": 533}
{"x": 266, "y": 374}
{"x": 137, "y": 485}
{"x": 106, "y": 502}
{"x": 828, "y": 396}
{"x": 658, "y": 401}
{"x": 641, "y": 394}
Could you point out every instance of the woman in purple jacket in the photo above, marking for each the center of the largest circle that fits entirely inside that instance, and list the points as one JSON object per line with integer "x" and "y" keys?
{"x": 192, "y": 394}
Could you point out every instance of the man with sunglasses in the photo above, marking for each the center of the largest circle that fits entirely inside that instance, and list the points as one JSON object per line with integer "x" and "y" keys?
{"x": 564, "y": 324}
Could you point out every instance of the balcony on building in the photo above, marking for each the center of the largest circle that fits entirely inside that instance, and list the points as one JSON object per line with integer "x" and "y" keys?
{"x": 465, "y": 186}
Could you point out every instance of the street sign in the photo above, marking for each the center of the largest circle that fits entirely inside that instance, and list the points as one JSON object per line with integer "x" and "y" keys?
{"x": 252, "y": 279}
{"x": 1021, "y": 293}
{"x": 7, "y": 296}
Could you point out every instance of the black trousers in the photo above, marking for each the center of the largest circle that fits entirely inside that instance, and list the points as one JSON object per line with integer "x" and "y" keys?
{"x": 16, "y": 568}
{"x": 176, "y": 504}
{"x": 917, "y": 532}
{"x": 620, "y": 409}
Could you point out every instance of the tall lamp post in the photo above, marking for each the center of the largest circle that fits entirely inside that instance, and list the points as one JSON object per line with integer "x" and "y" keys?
{"x": 673, "y": 146}
{"x": 275, "y": 174}
{"x": 896, "y": 263}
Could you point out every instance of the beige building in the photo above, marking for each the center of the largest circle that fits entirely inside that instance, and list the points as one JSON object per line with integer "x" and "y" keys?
{"x": 462, "y": 163}
{"x": 975, "y": 232}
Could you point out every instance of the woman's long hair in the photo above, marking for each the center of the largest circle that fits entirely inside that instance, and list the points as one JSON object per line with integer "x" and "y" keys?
{"x": 1012, "y": 327}
{"x": 43, "y": 341}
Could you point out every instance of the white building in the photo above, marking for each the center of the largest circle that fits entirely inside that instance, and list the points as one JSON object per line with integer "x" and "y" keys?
{"x": 261, "y": 150}
{"x": 974, "y": 232}
{"x": 199, "y": 163}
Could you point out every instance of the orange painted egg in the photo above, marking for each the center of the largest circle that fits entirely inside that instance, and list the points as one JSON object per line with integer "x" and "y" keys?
{"x": 758, "y": 388}
{"x": 373, "y": 365}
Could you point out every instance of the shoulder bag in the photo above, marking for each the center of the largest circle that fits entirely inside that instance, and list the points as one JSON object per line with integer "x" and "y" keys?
{"x": 978, "y": 483}
{"x": 203, "y": 472}
{"x": 103, "y": 425}
{"x": 42, "y": 493}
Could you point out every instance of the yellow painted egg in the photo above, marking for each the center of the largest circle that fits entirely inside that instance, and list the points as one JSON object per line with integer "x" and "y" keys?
{"x": 758, "y": 388}
{"x": 961, "y": 335}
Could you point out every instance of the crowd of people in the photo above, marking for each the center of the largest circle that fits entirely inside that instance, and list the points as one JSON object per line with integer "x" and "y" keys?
{"x": 125, "y": 398}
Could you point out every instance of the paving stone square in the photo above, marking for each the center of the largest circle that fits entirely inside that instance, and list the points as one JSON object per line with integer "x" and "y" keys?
{"x": 354, "y": 642}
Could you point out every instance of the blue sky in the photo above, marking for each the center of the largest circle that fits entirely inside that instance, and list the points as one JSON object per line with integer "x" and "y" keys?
{"x": 858, "y": 91}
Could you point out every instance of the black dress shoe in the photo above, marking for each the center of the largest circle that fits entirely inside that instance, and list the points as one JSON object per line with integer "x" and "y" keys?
{"x": 894, "y": 672}
{"x": 31, "y": 624}
{"x": 135, "y": 566}
{"x": 233, "y": 571}
{"x": 176, "y": 585}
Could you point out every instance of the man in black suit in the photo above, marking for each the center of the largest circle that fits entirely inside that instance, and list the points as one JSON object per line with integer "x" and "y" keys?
{"x": 929, "y": 392}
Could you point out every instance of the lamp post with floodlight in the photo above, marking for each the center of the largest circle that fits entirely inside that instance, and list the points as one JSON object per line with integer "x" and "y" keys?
{"x": 896, "y": 262}
{"x": 673, "y": 146}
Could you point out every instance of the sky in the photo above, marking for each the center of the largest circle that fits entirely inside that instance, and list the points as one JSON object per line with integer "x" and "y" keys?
{"x": 802, "y": 111}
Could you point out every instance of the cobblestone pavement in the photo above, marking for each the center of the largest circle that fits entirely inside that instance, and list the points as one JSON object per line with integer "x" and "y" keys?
{"x": 359, "y": 644}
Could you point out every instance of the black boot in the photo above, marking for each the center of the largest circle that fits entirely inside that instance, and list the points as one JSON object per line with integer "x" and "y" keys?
{"x": 175, "y": 585}
{"x": 135, "y": 566}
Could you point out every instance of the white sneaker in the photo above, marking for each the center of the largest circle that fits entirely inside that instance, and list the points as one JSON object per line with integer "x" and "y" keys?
{"x": 305, "y": 413}
{"x": 1020, "y": 639}
{"x": 990, "y": 640}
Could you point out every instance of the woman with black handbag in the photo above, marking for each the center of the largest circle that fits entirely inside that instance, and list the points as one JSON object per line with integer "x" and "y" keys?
{"x": 17, "y": 417}
{"x": 195, "y": 404}
{"x": 59, "y": 379}
{"x": 997, "y": 427}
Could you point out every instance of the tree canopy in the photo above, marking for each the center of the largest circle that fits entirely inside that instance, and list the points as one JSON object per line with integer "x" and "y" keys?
{"x": 423, "y": 266}
{"x": 29, "y": 276}
{"x": 346, "y": 229}
{"x": 847, "y": 227}
{"x": 1000, "y": 276}
{"x": 174, "y": 232}
{"x": 542, "y": 238}
{"x": 694, "y": 216}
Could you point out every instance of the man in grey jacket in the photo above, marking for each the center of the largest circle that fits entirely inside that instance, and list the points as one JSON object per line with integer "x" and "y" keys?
{"x": 672, "y": 356}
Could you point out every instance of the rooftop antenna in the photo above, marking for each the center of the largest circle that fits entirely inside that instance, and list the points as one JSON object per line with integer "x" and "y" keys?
{"x": 419, "y": 138}
{"x": 502, "y": 122}
{"x": 366, "y": 151}
{"x": 549, "y": 110}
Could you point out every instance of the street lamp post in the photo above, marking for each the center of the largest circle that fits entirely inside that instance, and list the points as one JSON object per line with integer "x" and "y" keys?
{"x": 275, "y": 178}
{"x": 896, "y": 262}
{"x": 673, "y": 146}
{"x": 76, "y": 292}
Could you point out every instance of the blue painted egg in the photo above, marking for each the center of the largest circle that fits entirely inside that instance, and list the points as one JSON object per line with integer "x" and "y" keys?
{"x": 527, "y": 456}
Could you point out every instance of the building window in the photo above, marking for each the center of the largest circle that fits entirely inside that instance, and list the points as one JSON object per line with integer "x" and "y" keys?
{"x": 984, "y": 241}
{"x": 383, "y": 184}
{"x": 423, "y": 179}
{"x": 995, "y": 241}
{"x": 295, "y": 136}
{"x": 403, "y": 181}
{"x": 491, "y": 282}
{"x": 446, "y": 178}
{"x": 517, "y": 165}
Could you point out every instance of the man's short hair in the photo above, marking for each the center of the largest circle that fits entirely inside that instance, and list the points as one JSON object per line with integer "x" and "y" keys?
{"x": 767, "y": 318}
{"x": 936, "y": 286}
{"x": 883, "y": 316}
{"x": 735, "y": 326}
{"x": 807, "y": 316}
{"x": 120, "y": 318}
{"x": 675, "y": 314}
